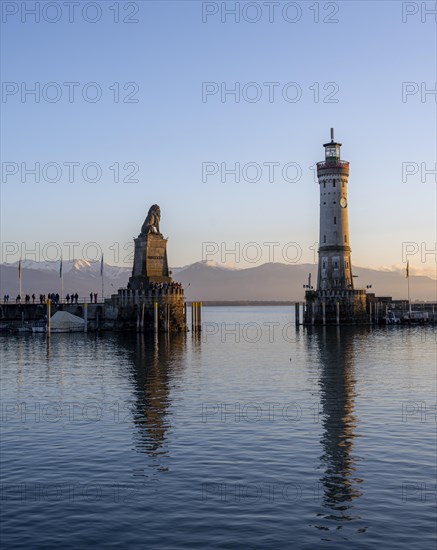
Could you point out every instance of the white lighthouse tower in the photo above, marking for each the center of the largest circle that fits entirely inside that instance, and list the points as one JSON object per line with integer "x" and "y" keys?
{"x": 336, "y": 300}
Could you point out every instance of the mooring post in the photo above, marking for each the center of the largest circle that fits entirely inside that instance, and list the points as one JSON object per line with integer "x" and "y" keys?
{"x": 386, "y": 315}
{"x": 312, "y": 313}
{"x": 186, "y": 314}
{"x": 142, "y": 318}
{"x": 138, "y": 319}
{"x": 192, "y": 316}
{"x": 324, "y": 312}
{"x": 49, "y": 302}
{"x": 370, "y": 313}
{"x": 85, "y": 317}
{"x": 155, "y": 317}
{"x": 296, "y": 314}
{"x": 167, "y": 317}
{"x": 337, "y": 305}
{"x": 199, "y": 317}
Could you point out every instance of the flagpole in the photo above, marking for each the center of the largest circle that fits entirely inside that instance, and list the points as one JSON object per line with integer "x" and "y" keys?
{"x": 101, "y": 273}
{"x": 409, "y": 300}
{"x": 19, "y": 279}
{"x": 62, "y": 283}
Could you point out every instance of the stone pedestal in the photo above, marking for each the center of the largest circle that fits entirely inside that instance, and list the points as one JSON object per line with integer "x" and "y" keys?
{"x": 150, "y": 261}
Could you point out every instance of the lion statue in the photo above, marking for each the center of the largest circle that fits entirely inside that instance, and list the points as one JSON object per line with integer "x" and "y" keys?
{"x": 151, "y": 223}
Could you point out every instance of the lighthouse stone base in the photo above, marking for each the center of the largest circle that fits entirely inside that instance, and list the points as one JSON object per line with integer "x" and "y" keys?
{"x": 333, "y": 307}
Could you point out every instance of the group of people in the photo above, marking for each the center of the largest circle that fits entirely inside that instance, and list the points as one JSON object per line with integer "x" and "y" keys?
{"x": 72, "y": 298}
{"x": 161, "y": 287}
{"x": 52, "y": 296}
{"x": 164, "y": 286}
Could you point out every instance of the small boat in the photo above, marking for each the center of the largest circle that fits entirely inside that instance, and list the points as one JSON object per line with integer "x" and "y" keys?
{"x": 23, "y": 329}
{"x": 39, "y": 326}
{"x": 416, "y": 317}
{"x": 391, "y": 319}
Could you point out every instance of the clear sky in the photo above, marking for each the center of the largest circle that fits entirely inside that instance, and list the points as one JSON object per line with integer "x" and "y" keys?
{"x": 171, "y": 130}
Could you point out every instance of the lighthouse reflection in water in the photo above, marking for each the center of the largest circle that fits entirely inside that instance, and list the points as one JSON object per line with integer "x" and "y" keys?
{"x": 332, "y": 472}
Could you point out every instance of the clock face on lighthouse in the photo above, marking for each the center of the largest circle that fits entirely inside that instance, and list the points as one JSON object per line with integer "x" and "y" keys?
{"x": 343, "y": 202}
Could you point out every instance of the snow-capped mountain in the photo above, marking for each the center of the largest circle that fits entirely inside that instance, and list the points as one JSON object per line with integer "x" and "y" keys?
{"x": 205, "y": 281}
{"x": 74, "y": 266}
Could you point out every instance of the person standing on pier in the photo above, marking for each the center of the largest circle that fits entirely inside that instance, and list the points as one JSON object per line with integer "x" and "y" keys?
{"x": 95, "y": 297}
{"x": 33, "y": 298}
{"x": 67, "y": 298}
{"x": 91, "y": 297}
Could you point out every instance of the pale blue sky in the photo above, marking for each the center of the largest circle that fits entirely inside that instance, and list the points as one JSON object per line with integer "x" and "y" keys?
{"x": 170, "y": 132}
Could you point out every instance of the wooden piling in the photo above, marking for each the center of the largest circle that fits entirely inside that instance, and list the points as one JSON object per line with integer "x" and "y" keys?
{"x": 85, "y": 317}
{"x": 199, "y": 317}
{"x": 49, "y": 303}
{"x": 337, "y": 305}
{"x": 297, "y": 314}
{"x": 324, "y": 312}
{"x": 155, "y": 317}
{"x": 167, "y": 318}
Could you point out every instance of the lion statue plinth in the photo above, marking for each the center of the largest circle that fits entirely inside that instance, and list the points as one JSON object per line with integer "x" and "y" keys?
{"x": 151, "y": 223}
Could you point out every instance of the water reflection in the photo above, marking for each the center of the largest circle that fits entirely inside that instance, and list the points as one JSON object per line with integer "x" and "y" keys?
{"x": 156, "y": 364}
{"x": 339, "y": 486}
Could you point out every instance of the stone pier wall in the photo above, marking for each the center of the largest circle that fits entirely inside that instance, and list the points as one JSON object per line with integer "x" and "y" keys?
{"x": 134, "y": 311}
{"x": 126, "y": 312}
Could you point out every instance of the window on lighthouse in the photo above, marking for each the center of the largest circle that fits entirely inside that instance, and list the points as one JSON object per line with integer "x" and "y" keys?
{"x": 324, "y": 238}
{"x": 333, "y": 183}
{"x": 345, "y": 238}
{"x": 335, "y": 220}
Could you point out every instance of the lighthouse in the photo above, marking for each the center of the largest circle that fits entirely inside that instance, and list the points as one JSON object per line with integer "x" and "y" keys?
{"x": 335, "y": 301}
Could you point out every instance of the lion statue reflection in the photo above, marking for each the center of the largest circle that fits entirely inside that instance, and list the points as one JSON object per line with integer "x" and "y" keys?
{"x": 151, "y": 223}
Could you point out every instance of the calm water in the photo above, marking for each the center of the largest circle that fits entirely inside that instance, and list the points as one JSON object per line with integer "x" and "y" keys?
{"x": 252, "y": 436}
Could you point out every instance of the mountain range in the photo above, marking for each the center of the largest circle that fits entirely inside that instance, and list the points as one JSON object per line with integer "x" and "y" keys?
{"x": 205, "y": 281}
